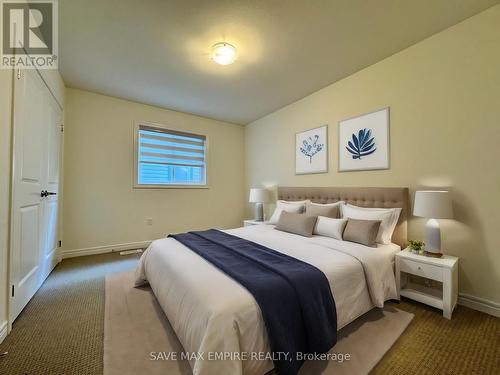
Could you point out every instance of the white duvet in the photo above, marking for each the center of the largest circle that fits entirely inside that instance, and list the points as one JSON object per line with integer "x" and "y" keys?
{"x": 211, "y": 313}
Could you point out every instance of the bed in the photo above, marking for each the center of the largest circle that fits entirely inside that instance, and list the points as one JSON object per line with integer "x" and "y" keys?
{"x": 212, "y": 313}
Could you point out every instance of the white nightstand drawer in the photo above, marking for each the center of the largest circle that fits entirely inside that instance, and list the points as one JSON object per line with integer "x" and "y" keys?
{"x": 420, "y": 269}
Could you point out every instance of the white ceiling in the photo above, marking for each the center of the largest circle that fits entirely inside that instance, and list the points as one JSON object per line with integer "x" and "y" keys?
{"x": 156, "y": 52}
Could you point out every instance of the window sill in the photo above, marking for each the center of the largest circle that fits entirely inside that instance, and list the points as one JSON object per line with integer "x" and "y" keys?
{"x": 160, "y": 187}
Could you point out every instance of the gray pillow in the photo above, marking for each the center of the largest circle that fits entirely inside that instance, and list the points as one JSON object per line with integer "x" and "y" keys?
{"x": 327, "y": 210}
{"x": 362, "y": 231}
{"x": 296, "y": 223}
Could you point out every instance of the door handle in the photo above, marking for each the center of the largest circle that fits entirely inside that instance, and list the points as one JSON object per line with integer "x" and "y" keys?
{"x": 45, "y": 193}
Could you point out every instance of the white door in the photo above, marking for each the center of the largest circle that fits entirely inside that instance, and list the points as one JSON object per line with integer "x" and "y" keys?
{"x": 36, "y": 148}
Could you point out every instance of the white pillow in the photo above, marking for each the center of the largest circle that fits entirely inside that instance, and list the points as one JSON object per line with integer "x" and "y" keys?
{"x": 326, "y": 226}
{"x": 388, "y": 217}
{"x": 296, "y": 207}
{"x": 328, "y": 204}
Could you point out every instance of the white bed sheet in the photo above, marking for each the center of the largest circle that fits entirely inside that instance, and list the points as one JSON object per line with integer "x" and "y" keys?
{"x": 210, "y": 312}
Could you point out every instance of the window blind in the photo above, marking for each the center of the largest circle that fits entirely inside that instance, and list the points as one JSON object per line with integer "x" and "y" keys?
{"x": 170, "y": 157}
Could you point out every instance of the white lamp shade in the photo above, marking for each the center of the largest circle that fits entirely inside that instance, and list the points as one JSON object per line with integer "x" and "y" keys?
{"x": 258, "y": 195}
{"x": 433, "y": 204}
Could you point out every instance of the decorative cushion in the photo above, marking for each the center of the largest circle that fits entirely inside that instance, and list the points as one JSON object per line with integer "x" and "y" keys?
{"x": 296, "y": 223}
{"x": 328, "y": 210}
{"x": 329, "y": 227}
{"x": 362, "y": 231}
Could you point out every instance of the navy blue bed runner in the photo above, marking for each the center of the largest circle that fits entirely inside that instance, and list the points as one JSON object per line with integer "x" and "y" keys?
{"x": 294, "y": 297}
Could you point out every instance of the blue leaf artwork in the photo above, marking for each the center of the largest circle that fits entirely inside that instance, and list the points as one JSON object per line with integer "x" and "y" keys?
{"x": 311, "y": 147}
{"x": 362, "y": 145}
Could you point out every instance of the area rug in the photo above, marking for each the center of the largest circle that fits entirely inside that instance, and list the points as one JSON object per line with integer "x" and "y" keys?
{"x": 136, "y": 330}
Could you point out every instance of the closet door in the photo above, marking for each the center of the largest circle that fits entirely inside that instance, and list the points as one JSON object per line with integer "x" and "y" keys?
{"x": 36, "y": 148}
{"x": 51, "y": 201}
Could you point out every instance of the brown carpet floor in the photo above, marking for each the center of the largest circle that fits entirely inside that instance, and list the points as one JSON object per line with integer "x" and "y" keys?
{"x": 60, "y": 332}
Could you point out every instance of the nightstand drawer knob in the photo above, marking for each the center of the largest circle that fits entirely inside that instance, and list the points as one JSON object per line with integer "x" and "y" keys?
{"x": 420, "y": 268}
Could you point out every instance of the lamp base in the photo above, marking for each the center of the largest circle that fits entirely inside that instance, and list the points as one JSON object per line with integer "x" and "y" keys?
{"x": 433, "y": 238}
{"x": 259, "y": 212}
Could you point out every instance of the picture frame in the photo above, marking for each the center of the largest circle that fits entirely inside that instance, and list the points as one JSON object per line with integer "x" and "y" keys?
{"x": 311, "y": 151}
{"x": 364, "y": 142}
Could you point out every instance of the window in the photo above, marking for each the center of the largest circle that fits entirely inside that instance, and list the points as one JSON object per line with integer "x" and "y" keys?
{"x": 166, "y": 157}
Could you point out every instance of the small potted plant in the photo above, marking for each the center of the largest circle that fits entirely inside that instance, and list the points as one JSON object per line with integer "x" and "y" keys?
{"x": 416, "y": 246}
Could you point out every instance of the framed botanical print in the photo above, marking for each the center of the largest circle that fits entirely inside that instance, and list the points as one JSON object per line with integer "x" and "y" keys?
{"x": 311, "y": 151}
{"x": 364, "y": 142}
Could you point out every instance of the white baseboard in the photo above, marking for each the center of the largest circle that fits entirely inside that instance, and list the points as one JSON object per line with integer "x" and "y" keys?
{"x": 105, "y": 249}
{"x": 480, "y": 304}
{"x": 3, "y": 331}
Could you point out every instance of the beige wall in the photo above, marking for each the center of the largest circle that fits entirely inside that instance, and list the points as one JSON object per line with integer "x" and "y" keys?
{"x": 444, "y": 94}
{"x": 100, "y": 206}
{"x": 5, "y": 160}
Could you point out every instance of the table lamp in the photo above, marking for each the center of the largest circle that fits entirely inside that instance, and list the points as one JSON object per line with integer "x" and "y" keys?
{"x": 258, "y": 196}
{"x": 433, "y": 205}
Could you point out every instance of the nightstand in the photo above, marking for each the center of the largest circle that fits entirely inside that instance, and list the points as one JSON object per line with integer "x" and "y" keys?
{"x": 444, "y": 270}
{"x": 249, "y": 222}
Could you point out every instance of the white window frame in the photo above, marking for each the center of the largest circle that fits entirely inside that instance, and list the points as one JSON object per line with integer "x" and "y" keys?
{"x": 136, "y": 184}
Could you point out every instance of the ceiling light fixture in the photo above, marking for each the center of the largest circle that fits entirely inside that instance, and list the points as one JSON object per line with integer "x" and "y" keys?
{"x": 223, "y": 53}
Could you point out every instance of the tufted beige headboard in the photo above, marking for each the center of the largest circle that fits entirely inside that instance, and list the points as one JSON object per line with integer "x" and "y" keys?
{"x": 359, "y": 196}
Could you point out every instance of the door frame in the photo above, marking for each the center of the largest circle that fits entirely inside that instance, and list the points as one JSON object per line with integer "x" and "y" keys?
{"x": 16, "y": 73}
